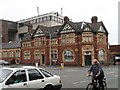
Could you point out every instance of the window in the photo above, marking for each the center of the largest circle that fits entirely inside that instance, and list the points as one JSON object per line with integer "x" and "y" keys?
{"x": 27, "y": 55}
{"x": 101, "y": 56}
{"x": 42, "y": 19}
{"x": 68, "y": 38}
{"x": 5, "y": 54}
{"x": 68, "y": 55}
{"x": 34, "y": 74}
{"x": 17, "y": 54}
{"x": 11, "y": 53}
{"x": 38, "y": 20}
{"x": 17, "y": 77}
{"x": 45, "y": 18}
{"x": 101, "y": 38}
{"x": 0, "y": 54}
{"x": 54, "y": 41}
{"x": 54, "y": 54}
{"x": 87, "y": 37}
{"x": 39, "y": 41}
{"x": 26, "y": 44}
{"x": 47, "y": 74}
{"x": 36, "y": 54}
{"x": 4, "y": 73}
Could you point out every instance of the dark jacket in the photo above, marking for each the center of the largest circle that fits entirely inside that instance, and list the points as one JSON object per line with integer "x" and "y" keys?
{"x": 95, "y": 68}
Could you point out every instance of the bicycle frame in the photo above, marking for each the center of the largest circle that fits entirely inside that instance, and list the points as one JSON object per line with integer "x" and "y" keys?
{"x": 95, "y": 83}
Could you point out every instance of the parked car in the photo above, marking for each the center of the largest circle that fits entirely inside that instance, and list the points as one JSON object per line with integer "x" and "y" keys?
{"x": 4, "y": 62}
{"x": 29, "y": 77}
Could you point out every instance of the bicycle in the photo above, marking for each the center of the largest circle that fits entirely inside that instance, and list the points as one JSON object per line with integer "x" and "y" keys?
{"x": 94, "y": 85}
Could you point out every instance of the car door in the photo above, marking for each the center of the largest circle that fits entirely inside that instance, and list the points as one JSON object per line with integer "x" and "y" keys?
{"x": 17, "y": 80}
{"x": 36, "y": 79}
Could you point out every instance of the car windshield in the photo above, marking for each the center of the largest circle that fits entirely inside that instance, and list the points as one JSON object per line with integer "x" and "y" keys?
{"x": 4, "y": 73}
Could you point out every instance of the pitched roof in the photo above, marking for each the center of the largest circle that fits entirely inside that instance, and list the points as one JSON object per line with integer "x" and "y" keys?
{"x": 95, "y": 26}
{"x": 55, "y": 30}
{"x": 46, "y": 30}
{"x": 10, "y": 45}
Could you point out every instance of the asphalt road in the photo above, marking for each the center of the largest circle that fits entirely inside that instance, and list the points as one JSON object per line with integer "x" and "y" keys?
{"x": 75, "y": 77}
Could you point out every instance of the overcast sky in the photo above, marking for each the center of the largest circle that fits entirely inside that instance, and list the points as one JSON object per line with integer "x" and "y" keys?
{"x": 77, "y": 10}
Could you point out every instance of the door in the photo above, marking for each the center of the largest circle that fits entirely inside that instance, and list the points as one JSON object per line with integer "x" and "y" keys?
{"x": 17, "y": 80}
{"x": 87, "y": 59}
{"x": 43, "y": 59}
{"x": 36, "y": 79}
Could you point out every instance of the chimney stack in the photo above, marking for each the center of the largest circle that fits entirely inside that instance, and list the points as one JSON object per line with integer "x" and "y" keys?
{"x": 66, "y": 19}
{"x": 94, "y": 19}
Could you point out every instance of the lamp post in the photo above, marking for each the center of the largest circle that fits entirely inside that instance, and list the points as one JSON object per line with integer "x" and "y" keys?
{"x": 50, "y": 49}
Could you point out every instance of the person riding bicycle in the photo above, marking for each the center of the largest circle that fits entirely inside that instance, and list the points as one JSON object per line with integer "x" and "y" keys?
{"x": 97, "y": 72}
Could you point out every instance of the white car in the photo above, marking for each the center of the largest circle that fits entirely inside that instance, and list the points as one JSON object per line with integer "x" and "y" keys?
{"x": 28, "y": 77}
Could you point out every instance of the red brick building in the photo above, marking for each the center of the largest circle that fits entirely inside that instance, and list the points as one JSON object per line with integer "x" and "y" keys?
{"x": 73, "y": 43}
{"x": 114, "y": 53}
{"x": 11, "y": 51}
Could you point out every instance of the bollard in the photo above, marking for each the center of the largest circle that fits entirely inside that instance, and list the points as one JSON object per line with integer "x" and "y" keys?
{"x": 62, "y": 65}
{"x": 36, "y": 64}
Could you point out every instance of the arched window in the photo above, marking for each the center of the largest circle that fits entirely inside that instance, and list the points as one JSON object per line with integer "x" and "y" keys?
{"x": 101, "y": 56}
{"x": 68, "y": 55}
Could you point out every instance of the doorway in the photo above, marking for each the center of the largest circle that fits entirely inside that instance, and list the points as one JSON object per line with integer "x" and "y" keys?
{"x": 43, "y": 59}
{"x": 87, "y": 59}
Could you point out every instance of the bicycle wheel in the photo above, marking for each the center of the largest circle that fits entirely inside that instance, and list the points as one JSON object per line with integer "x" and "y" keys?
{"x": 89, "y": 86}
{"x": 105, "y": 85}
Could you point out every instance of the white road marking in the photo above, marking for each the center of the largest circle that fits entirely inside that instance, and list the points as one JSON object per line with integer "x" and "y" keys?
{"x": 116, "y": 75}
{"x": 110, "y": 73}
{"x": 65, "y": 75}
{"x": 83, "y": 81}
{"x": 72, "y": 70}
{"x": 75, "y": 83}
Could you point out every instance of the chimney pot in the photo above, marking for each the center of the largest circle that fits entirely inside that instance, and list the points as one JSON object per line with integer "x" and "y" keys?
{"x": 94, "y": 19}
{"x": 66, "y": 19}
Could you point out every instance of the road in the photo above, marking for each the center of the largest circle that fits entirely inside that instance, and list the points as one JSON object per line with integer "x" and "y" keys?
{"x": 75, "y": 77}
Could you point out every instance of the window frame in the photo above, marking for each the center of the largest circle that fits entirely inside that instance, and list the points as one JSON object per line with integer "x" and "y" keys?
{"x": 68, "y": 52}
{"x": 42, "y": 77}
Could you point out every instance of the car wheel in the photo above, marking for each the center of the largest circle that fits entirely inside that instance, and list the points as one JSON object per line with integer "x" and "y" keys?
{"x": 3, "y": 64}
{"x": 49, "y": 87}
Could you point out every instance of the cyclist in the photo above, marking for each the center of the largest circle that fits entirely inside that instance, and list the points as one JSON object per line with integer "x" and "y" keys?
{"x": 97, "y": 72}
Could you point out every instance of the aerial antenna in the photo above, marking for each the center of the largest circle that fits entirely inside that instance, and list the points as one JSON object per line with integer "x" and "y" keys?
{"x": 38, "y": 11}
{"x": 61, "y": 11}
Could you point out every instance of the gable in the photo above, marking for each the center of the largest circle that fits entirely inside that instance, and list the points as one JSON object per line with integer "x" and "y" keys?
{"x": 101, "y": 29}
{"x": 39, "y": 32}
{"x": 67, "y": 28}
{"x": 83, "y": 24}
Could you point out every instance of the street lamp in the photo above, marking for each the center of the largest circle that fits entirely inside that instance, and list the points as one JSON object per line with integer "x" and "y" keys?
{"x": 50, "y": 49}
